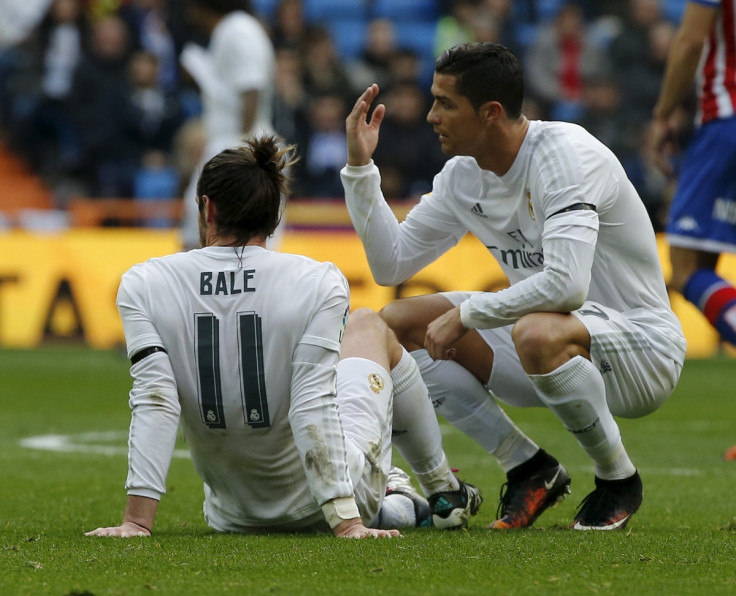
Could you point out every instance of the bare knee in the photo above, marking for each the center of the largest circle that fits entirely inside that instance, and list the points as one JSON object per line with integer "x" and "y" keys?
{"x": 399, "y": 317}
{"x": 409, "y": 317}
{"x": 364, "y": 322}
{"x": 368, "y": 336}
{"x": 545, "y": 341}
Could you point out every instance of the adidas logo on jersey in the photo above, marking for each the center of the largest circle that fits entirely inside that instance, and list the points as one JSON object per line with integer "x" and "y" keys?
{"x": 477, "y": 210}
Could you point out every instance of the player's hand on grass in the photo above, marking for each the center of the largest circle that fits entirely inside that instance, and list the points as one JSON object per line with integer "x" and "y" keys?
{"x": 125, "y": 530}
{"x": 362, "y": 134}
{"x": 354, "y": 528}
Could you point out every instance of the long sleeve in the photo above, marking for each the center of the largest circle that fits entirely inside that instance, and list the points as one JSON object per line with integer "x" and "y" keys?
{"x": 569, "y": 242}
{"x": 313, "y": 414}
{"x": 155, "y": 411}
{"x": 154, "y": 400}
{"x": 394, "y": 251}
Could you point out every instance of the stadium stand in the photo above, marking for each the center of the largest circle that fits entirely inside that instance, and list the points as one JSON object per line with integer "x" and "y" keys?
{"x": 348, "y": 35}
{"x": 347, "y": 22}
{"x": 407, "y": 10}
{"x": 316, "y": 11}
{"x": 266, "y": 8}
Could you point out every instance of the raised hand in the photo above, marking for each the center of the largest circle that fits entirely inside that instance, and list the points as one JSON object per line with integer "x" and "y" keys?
{"x": 363, "y": 134}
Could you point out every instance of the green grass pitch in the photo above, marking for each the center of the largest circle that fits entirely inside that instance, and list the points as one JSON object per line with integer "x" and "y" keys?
{"x": 683, "y": 540}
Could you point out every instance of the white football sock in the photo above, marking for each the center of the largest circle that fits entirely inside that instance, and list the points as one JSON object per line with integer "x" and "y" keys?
{"x": 575, "y": 392}
{"x": 416, "y": 432}
{"x": 397, "y": 511}
{"x": 465, "y": 403}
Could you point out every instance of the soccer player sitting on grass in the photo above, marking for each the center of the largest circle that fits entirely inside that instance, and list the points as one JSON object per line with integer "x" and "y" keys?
{"x": 240, "y": 345}
{"x": 585, "y": 328}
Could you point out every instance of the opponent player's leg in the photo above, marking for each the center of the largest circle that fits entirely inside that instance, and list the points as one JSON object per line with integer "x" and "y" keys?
{"x": 698, "y": 227}
{"x": 707, "y": 178}
{"x": 536, "y": 480}
{"x": 694, "y": 276}
{"x": 554, "y": 349}
{"x": 416, "y": 432}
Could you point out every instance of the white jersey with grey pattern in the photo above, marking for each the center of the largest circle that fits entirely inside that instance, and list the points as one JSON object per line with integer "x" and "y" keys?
{"x": 564, "y": 223}
{"x": 252, "y": 339}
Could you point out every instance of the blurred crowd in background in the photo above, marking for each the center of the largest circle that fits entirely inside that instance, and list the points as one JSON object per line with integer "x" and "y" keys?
{"x": 94, "y": 99}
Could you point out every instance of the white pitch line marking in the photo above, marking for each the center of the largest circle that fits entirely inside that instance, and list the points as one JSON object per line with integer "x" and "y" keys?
{"x": 94, "y": 442}
{"x": 89, "y": 442}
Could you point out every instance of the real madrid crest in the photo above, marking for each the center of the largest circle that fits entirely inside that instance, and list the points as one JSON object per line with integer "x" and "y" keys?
{"x": 375, "y": 382}
{"x": 529, "y": 204}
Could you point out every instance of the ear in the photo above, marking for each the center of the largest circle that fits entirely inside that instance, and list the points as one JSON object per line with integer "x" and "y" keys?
{"x": 491, "y": 111}
{"x": 209, "y": 208}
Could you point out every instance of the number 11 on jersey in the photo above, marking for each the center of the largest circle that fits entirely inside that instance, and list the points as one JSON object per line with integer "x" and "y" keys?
{"x": 252, "y": 377}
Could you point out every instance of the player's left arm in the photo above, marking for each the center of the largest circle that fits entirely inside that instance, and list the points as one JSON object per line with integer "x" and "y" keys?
{"x": 562, "y": 286}
{"x": 313, "y": 413}
{"x": 249, "y": 68}
{"x": 568, "y": 210}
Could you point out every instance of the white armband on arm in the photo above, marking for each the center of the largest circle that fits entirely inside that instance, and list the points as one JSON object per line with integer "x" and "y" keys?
{"x": 340, "y": 509}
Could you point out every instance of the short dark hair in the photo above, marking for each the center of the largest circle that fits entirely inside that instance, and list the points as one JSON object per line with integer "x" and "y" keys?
{"x": 246, "y": 185}
{"x": 485, "y": 71}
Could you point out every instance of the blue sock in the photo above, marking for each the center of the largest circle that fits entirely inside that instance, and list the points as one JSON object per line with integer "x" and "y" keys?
{"x": 716, "y": 299}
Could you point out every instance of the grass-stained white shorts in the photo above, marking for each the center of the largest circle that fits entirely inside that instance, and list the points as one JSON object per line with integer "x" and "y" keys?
{"x": 365, "y": 405}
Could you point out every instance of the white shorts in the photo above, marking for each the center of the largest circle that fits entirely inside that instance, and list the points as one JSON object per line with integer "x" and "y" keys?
{"x": 365, "y": 405}
{"x": 638, "y": 378}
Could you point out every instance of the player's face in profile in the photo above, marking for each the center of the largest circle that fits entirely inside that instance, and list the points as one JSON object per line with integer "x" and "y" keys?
{"x": 453, "y": 118}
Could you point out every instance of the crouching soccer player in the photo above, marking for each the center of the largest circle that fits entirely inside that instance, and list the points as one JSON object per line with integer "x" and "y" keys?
{"x": 585, "y": 328}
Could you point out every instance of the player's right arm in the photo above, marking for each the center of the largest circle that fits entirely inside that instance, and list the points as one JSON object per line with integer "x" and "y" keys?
{"x": 137, "y": 519}
{"x": 155, "y": 411}
{"x": 394, "y": 251}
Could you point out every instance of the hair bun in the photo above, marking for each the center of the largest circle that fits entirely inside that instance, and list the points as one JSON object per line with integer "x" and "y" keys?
{"x": 266, "y": 153}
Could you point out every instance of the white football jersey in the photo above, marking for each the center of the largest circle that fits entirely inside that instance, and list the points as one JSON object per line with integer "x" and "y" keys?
{"x": 252, "y": 339}
{"x": 563, "y": 223}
